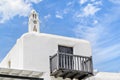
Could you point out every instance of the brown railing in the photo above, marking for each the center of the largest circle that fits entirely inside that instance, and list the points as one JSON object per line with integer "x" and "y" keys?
{"x": 64, "y": 61}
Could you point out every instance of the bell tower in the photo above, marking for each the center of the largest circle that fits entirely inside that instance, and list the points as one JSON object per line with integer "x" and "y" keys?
{"x": 33, "y": 22}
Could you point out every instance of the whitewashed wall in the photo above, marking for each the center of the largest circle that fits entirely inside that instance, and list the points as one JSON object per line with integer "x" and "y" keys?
{"x": 32, "y": 51}
{"x": 38, "y": 48}
{"x": 105, "y": 76}
{"x": 14, "y": 56}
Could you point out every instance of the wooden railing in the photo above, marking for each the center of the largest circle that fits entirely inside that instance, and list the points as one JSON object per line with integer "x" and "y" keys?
{"x": 64, "y": 61}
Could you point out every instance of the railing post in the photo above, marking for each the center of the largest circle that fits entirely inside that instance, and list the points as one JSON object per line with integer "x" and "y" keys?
{"x": 91, "y": 65}
{"x": 78, "y": 62}
{"x": 63, "y": 58}
{"x": 58, "y": 62}
{"x": 50, "y": 65}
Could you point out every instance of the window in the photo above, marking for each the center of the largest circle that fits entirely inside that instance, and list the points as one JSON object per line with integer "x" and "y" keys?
{"x": 65, "y": 49}
{"x": 65, "y": 60}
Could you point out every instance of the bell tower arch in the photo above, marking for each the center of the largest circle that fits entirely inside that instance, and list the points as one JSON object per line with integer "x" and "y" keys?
{"x": 33, "y": 22}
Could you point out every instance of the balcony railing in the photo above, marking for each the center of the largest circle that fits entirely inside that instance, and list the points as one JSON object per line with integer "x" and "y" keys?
{"x": 70, "y": 66}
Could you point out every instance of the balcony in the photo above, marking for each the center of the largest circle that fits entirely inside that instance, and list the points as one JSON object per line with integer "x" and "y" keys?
{"x": 70, "y": 66}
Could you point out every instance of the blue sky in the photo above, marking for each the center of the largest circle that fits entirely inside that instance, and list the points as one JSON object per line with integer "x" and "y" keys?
{"x": 95, "y": 20}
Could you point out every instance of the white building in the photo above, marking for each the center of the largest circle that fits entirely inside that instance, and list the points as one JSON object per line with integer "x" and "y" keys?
{"x": 47, "y": 56}
{"x": 105, "y": 76}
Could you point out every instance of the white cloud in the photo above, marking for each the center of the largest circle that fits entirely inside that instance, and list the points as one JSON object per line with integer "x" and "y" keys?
{"x": 107, "y": 54}
{"x": 89, "y": 33}
{"x": 59, "y": 15}
{"x": 11, "y": 8}
{"x": 95, "y": 21}
{"x": 47, "y": 16}
{"x": 105, "y": 42}
{"x": 25, "y": 23}
{"x": 90, "y": 9}
{"x": 34, "y": 1}
{"x": 98, "y": 3}
{"x": 115, "y": 1}
{"x": 83, "y": 1}
{"x": 69, "y": 3}
{"x": 89, "y": 27}
{"x": 92, "y": 0}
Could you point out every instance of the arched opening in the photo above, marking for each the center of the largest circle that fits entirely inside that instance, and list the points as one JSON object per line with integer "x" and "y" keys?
{"x": 35, "y": 16}
{"x": 35, "y": 29}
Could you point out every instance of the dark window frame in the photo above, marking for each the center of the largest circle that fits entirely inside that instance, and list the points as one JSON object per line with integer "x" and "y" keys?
{"x": 65, "y": 49}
